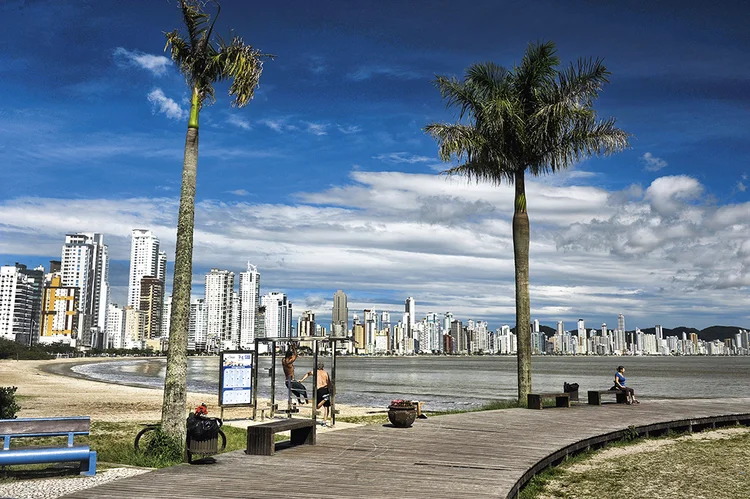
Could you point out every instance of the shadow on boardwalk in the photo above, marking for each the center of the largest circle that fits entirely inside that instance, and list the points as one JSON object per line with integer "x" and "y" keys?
{"x": 480, "y": 454}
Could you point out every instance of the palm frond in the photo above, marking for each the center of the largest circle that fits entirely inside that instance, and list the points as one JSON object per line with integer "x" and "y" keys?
{"x": 195, "y": 20}
{"x": 243, "y": 65}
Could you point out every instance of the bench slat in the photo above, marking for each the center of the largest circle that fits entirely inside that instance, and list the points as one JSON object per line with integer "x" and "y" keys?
{"x": 44, "y": 426}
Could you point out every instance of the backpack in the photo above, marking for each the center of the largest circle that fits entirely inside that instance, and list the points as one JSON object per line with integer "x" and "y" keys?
{"x": 570, "y": 387}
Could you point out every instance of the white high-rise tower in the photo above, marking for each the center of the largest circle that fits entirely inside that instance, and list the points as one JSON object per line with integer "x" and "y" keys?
{"x": 144, "y": 261}
{"x": 218, "y": 295}
{"x": 249, "y": 303}
{"x": 85, "y": 265}
{"x": 278, "y": 321}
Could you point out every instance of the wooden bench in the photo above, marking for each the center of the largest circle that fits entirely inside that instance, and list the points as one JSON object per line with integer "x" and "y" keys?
{"x": 534, "y": 400}
{"x": 595, "y": 396}
{"x": 260, "y": 441}
{"x": 47, "y": 427}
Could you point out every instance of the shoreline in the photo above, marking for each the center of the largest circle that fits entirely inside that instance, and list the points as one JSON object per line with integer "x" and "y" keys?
{"x": 50, "y": 388}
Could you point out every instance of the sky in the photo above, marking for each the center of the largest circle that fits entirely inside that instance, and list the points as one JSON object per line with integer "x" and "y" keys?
{"x": 326, "y": 180}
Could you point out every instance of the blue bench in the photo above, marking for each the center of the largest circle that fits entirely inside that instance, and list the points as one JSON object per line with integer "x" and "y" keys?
{"x": 47, "y": 427}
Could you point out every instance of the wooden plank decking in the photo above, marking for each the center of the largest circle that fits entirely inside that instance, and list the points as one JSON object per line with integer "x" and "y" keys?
{"x": 481, "y": 454}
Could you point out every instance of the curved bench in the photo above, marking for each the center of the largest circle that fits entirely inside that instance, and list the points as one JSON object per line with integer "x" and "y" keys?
{"x": 656, "y": 429}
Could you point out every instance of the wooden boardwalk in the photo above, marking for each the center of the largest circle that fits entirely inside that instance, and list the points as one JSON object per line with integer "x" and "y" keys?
{"x": 481, "y": 454}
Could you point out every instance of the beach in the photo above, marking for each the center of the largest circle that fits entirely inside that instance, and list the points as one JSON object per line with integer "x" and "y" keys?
{"x": 49, "y": 388}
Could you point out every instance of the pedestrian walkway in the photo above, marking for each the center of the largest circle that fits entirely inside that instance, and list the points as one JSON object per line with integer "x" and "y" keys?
{"x": 479, "y": 454}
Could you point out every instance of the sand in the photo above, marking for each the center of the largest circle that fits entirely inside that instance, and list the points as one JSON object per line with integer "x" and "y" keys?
{"x": 49, "y": 388}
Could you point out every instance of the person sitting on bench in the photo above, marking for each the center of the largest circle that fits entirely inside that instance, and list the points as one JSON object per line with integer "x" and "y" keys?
{"x": 620, "y": 385}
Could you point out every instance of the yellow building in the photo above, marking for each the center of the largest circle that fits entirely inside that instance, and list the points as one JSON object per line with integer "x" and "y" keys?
{"x": 60, "y": 314}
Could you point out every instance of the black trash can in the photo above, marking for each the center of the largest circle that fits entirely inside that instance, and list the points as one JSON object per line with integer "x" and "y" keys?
{"x": 203, "y": 434}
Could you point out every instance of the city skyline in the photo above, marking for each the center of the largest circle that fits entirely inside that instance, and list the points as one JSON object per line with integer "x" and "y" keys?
{"x": 95, "y": 131}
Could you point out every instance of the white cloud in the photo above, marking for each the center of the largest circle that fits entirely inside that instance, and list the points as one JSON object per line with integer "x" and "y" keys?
{"x": 448, "y": 242}
{"x": 156, "y": 64}
{"x": 279, "y": 125}
{"x": 317, "y": 128}
{"x": 402, "y": 157}
{"x": 741, "y": 186}
{"x": 368, "y": 71}
{"x": 239, "y": 122}
{"x": 239, "y": 192}
{"x": 165, "y": 105}
{"x": 653, "y": 164}
{"x": 349, "y": 129}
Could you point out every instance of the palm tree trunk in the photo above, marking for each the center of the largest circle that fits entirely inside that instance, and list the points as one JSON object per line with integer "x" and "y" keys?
{"x": 175, "y": 382}
{"x": 523, "y": 306}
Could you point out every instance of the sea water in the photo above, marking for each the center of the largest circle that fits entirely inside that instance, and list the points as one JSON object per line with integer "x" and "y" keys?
{"x": 461, "y": 382}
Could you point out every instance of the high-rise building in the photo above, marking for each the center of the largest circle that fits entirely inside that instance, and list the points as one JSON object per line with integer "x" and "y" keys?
{"x": 144, "y": 261}
{"x": 115, "y": 327}
{"x": 278, "y": 315}
{"x": 410, "y": 308}
{"x": 35, "y": 277}
{"x": 61, "y": 312}
{"x": 197, "y": 332}
{"x": 306, "y": 324}
{"x": 339, "y": 315}
{"x": 218, "y": 295}
{"x": 16, "y": 298}
{"x": 621, "y": 322}
{"x": 152, "y": 305}
{"x": 166, "y": 316}
{"x": 249, "y": 303}
{"x": 370, "y": 329}
{"x": 135, "y": 326}
{"x": 161, "y": 272}
{"x": 85, "y": 265}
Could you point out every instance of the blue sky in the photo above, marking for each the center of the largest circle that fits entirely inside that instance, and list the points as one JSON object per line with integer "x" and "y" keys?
{"x": 326, "y": 180}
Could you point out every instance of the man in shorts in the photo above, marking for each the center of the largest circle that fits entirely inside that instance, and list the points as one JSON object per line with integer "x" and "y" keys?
{"x": 296, "y": 388}
{"x": 323, "y": 390}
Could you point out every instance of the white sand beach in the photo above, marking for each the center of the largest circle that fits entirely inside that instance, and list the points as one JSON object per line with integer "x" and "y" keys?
{"x": 49, "y": 388}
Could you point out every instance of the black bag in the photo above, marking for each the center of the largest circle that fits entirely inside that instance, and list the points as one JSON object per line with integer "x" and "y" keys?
{"x": 201, "y": 428}
{"x": 570, "y": 387}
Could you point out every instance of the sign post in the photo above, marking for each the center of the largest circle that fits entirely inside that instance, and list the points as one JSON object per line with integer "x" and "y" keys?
{"x": 235, "y": 379}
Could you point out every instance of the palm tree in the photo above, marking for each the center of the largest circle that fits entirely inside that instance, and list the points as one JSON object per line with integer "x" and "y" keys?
{"x": 204, "y": 62}
{"x": 531, "y": 118}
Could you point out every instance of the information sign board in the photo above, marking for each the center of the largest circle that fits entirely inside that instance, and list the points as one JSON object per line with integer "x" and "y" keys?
{"x": 236, "y": 379}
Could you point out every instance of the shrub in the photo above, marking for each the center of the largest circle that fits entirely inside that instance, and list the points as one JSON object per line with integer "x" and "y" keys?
{"x": 8, "y": 406}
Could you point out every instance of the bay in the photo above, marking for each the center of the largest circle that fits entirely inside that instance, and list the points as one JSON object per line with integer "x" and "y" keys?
{"x": 452, "y": 382}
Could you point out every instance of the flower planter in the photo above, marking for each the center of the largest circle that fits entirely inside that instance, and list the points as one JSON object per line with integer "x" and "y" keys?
{"x": 402, "y": 417}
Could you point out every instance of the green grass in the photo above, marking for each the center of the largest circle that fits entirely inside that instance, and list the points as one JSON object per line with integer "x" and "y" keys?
{"x": 113, "y": 443}
{"x": 710, "y": 464}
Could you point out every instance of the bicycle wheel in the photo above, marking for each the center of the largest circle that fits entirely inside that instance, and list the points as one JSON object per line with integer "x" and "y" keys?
{"x": 223, "y": 441}
{"x": 145, "y": 438}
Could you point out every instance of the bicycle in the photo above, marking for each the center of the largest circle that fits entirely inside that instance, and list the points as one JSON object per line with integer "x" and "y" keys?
{"x": 145, "y": 441}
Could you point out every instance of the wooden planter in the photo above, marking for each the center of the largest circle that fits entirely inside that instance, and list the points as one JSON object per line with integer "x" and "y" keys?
{"x": 402, "y": 417}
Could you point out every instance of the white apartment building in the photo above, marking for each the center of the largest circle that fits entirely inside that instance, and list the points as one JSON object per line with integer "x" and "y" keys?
{"x": 249, "y": 303}
{"x": 16, "y": 297}
{"x": 219, "y": 290}
{"x": 115, "y": 326}
{"x": 144, "y": 261}
{"x": 166, "y": 316}
{"x": 85, "y": 265}
{"x": 197, "y": 326}
{"x": 278, "y": 323}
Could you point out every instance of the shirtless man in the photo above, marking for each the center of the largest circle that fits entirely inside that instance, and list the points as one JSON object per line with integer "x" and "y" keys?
{"x": 323, "y": 390}
{"x": 297, "y": 388}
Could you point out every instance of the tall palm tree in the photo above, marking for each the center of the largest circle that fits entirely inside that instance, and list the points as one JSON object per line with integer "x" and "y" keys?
{"x": 532, "y": 118}
{"x": 204, "y": 61}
